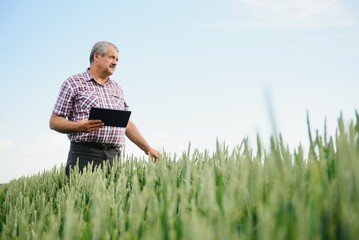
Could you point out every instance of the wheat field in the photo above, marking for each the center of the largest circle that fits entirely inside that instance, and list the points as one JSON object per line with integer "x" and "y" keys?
{"x": 272, "y": 193}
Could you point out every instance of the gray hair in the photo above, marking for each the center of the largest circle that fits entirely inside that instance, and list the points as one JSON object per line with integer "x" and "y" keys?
{"x": 101, "y": 49}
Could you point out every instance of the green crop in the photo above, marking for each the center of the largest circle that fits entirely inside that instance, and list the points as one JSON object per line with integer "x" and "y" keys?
{"x": 273, "y": 193}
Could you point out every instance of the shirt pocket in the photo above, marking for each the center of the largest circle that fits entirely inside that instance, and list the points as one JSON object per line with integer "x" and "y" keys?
{"x": 119, "y": 102}
{"x": 88, "y": 99}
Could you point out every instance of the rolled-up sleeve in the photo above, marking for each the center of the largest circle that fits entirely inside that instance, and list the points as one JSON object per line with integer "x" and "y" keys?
{"x": 63, "y": 106}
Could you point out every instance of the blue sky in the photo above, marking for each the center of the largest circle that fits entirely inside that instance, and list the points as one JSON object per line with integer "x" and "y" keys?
{"x": 192, "y": 71}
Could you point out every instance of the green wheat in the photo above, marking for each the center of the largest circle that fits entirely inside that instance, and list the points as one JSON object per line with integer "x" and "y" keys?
{"x": 274, "y": 193}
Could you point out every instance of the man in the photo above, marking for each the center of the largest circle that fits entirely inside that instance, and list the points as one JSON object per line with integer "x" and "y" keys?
{"x": 91, "y": 141}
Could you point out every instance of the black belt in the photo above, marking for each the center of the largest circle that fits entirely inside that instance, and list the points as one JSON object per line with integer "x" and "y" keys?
{"x": 101, "y": 146}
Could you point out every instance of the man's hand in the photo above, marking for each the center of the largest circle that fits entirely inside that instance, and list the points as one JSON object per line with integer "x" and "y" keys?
{"x": 90, "y": 125}
{"x": 154, "y": 155}
{"x": 62, "y": 125}
{"x": 136, "y": 137}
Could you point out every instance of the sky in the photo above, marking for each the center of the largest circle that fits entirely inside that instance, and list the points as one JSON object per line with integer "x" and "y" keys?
{"x": 196, "y": 72}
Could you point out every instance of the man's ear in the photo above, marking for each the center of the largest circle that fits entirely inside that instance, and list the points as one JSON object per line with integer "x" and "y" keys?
{"x": 96, "y": 56}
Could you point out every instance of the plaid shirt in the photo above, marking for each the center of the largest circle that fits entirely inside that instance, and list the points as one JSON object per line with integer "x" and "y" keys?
{"x": 81, "y": 92}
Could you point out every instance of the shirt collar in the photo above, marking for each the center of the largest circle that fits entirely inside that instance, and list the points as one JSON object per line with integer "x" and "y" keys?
{"x": 89, "y": 77}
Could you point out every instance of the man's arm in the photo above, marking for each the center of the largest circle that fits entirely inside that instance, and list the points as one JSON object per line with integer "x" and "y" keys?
{"x": 62, "y": 125}
{"x": 136, "y": 137}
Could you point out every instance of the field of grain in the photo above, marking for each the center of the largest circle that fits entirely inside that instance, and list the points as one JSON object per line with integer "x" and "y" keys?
{"x": 272, "y": 193}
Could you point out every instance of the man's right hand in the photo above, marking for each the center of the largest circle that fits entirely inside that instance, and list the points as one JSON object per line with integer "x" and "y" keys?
{"x": 62, "y": 125}
{"x": 90, "y": 125}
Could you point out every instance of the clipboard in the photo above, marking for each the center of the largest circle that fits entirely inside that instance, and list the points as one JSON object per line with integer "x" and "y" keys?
{"x": 110, "y": 117}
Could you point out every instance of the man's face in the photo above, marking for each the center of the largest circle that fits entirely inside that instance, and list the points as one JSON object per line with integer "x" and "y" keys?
{"x": 108, "y": 62}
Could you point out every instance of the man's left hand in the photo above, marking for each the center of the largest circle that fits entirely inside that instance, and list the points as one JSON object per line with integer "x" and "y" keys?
{"x": 154, "y": 155}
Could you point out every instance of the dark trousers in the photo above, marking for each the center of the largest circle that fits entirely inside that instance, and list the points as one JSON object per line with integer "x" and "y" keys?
{"x": 85, "y": 153}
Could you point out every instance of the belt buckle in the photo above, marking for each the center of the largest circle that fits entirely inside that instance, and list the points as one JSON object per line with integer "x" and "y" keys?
{"x": 104, "y": 146}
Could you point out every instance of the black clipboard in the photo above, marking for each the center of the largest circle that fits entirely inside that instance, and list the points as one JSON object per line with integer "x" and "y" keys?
{"x": 110, "y": 117}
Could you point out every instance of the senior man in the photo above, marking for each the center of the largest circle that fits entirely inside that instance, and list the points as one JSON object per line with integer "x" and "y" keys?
{"x": 91, "y": 141}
